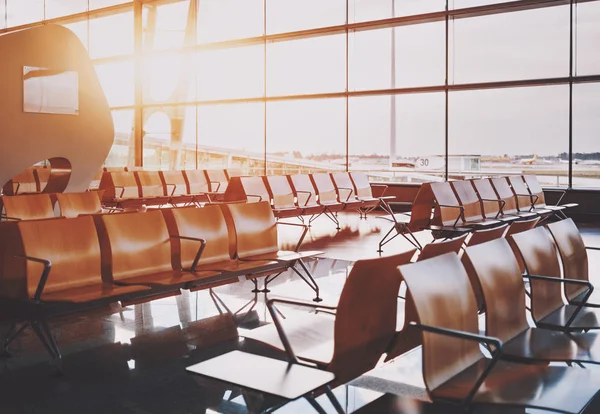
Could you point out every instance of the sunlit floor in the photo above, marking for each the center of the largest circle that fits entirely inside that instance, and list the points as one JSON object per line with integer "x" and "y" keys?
{"x": 133, "y": 359}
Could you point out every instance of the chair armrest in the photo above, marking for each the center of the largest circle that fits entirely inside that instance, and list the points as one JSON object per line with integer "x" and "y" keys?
{"x": 43, "y": 279}
{"x": 590, "y": 289}
{"x": 255, "y": 196}
{"x": 292, "y": 358}
{"x": 198, "y": 254}
{"x": 469, "y": 336}
{"x": 173, "y": 191}
{"x": 16, "y": 191}
{"x": 8, "y": 218}
{"x": 534, "y": 199}
{"x": 122, "y": 191}
{"x": 499, "y": 201}
{"x": 217, "y": 183}
{"x": 304, "y": 226}
{"x": 592, "y": 248}
{"x": 557, "y": 190}
{"x": 351, "y": 190}
{"x": 305, "y": 192}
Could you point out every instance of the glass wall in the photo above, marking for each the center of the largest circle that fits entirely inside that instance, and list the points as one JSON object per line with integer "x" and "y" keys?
{"x": 407, "y": 90}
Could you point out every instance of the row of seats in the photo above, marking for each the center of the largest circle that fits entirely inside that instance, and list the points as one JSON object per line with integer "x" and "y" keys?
{"x": 69, "y": 263}
{"x": 466, "y": 205}
{"x": 127, "y": 189}
{"x": 42, "y": 206}
{"x": 310, "y": 194}
{"x": 441, "y": 314}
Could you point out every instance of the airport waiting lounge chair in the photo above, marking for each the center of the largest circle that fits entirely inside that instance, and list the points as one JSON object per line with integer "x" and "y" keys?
{"x": 28, "y": 207}
{"x": 536, "y": 191}
{"x": 538, "y": 252}
{"x": 454, "y": 368}
{"x": 306, "y": 195}
{"x": 347, "y": 192}
{"x": 284, "y": 202}
{"x": 364, "y": 190}
{"x": 500, "y": 280}
{"x": 473, "y": 205}
{"x": 574, "y": 260}
{"x": 525, "y": 200}
{"x": 508, "y": 199}
{"x": 217, "y": 179}
{"x": 76, "y": 204}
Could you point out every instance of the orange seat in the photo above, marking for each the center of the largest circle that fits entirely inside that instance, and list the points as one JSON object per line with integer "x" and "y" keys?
{"x": 473, "y": 208}
{"x": 255, "y": 230}
{"x": 537, "y": 192}
{"x": 42, "y": 175}
{"x": 282, "y": 196}
{"x": 28, "y": 207}
{"x": 233, "y": 172}
{"x": 251, "y": 189}
{"x": 200, "y": 187}
{"x": 509, "y": 200}
{"x": 152, "y": 188}
{"x": 120, "y": 189}
{"x": 218, "y": 180}
{"x": 176, "y": 186}
{"x": 209, "y": 224}
{"x": 305, "y": 193}
{"x": 137, "y": 250}
{"x": 347, "y": 193}
{"x": 327, "y": 195}
{"x": 438, "y": 248}
{"x": 22, "y": 183}
{"x": 75, "y": 204}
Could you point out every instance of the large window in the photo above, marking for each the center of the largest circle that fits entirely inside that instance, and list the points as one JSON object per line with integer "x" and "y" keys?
{"x": 407, "y": 90}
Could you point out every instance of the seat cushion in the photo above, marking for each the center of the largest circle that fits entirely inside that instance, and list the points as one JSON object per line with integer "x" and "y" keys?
{"x": 174, "y": 277}
{"x": 284, "y": 255}
{"x": 90, "y": 293}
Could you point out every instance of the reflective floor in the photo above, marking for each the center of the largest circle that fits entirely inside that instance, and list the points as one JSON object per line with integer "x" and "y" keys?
{"x": 132, "y": 359}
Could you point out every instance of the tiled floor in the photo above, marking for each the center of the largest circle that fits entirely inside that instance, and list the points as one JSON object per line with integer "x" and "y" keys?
{"x": 133, "y": 359}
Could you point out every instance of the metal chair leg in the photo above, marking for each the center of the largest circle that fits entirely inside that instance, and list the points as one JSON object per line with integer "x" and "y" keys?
{"x": 336, "y": 404}
{"x": 12, "y": 334}
{"x": 308, "y": 279}
{"x": 315, "y": 404}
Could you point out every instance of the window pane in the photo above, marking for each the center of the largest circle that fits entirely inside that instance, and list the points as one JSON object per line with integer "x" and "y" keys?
{"x": 165, "y": 24}
{"x": 220, "y": 20}
{"x": 516, "y": 130}
{"x": 586, "y": 142}
{"x": 231, "y": 73}
{"x": 306, "y": 66}
{"x": 309, "y": 133}
{"x": 365, "y": 10}
{"x": 587, "y": 58}
{"x": 58, "y": 8}
{"x": 520, "y": 45}
{"x": 408, "y": 147}
{"x": 117, "y": 82}
{"x": 98, "y": 4}
{"x": 121, "y": 153}
{"x": 169, "y": 78}
{"x": 231, "y": 136}
{"x": 170, "y": 138}
{"x": 420, "y": 57}
{"x": 24, "y": 12}
{"x": 294, "y": 15}
{"x": 111, "y": 35}
{"x": 81, "y": 31}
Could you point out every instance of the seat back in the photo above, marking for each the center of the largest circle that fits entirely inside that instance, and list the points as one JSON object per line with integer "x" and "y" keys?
{"x": 468, "y": 199}
{"x": 281, "y": 191}
{"x": 151, "y": 184}
{"x": 175, "y": 183}
{"x": 218, "y": 180}
{"x": 72, "y": 247}
{"x": 28, "y": 206}
{"x": 134, "y": 244}
{"x": 205, "y": 223}
{"x": 538, "y": 252}
{"x": 519, "y": 227}
{"x": 22, "y": 183}
{"x": 438, "y": 248}
{"x": 74, "y": 204}
{"x": 504, "y": 192}
{"x": 324, "y": 187}
{"x": 447, "y": 206}
{"x": 363, "y": 333}
{"x": 573, "y": 254}
{"x": 304, "y": 189}
{"x": 119, "y": 184}
{"x": 255, "y": 188}
{"x": 497, "y": 273}
{"x": 486, "y": 194}
{"x": 197, "y": 181}
{"x": 254, "y": 227}
{"x": 443, "y": 297}
{"x": 343, "y": 185}
{"x": 422, "y": 206}
{"x": 535, "y": 189}
{"x": 486, "y": 235}
{"x": 362, "y": 186}
{"x": 524, "y": 199}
